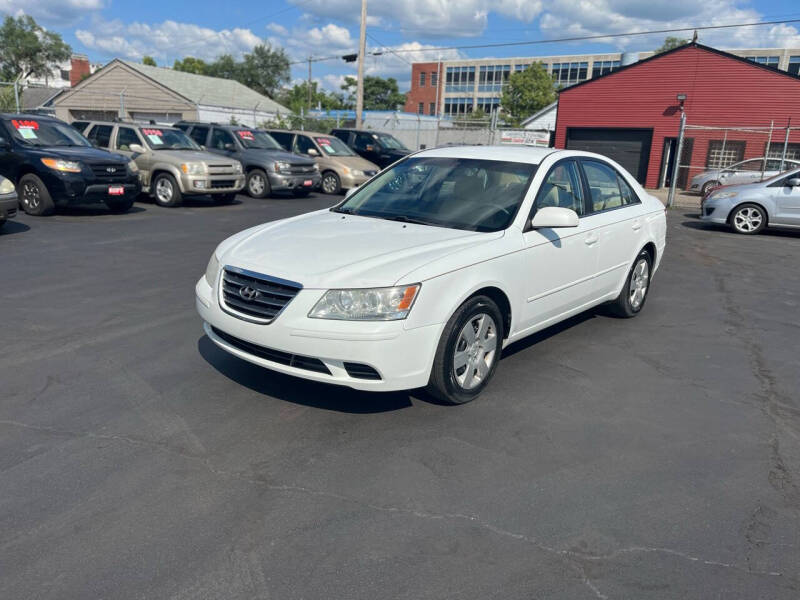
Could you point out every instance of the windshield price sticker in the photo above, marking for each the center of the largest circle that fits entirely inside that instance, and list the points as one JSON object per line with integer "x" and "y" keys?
{"x": 246, "y": 135}
{"x": 155, "y": 132}
{"x": 24, "y": 124}
{"x": 323, "y": 141}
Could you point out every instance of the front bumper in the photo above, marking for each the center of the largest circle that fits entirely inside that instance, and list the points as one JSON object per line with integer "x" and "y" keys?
{"x": 401, "y": 357}
{"x": 351, "y": 181}
{"x": 280, "y": 182}
{"x": 714, "y": 213}
{"x": 78, "y": 188}
{"x": 8, "y": 206}
{"x": 212, "y": 184}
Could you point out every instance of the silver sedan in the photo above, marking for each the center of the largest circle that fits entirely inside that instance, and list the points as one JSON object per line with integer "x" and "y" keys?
{"x": 749, "y": 208}
{"x": 747, "y": 171}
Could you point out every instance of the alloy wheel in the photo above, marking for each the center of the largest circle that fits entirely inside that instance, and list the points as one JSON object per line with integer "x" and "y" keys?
{"x": 329, "y": 184}
{"x": 256, "y": 184}
{"x": 640, "y": 281}
{"x": 30, "y": 195}
{"x": 164, "y": 190}
{"x": 748, "y": 219}
{"x": 475, "y": 351}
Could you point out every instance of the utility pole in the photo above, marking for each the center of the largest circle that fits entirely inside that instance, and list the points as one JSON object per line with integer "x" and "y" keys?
{"x": 678, "y": 151}
{"x": 309, "y": 85}
{"x": 362, "y": 50}
{"x": 122, "y": 104}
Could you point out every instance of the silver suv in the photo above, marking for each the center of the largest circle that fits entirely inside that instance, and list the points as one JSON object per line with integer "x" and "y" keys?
{"x": 171, "y": 165}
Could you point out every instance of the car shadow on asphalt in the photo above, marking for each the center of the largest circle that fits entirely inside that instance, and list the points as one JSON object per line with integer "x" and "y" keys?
{"x": 12, "y": 227}
{"x": 553, "y": 330}
{"x": 301, "y": 391}
{"x": 703, "y": 226}
{"x": 94, "y": 210}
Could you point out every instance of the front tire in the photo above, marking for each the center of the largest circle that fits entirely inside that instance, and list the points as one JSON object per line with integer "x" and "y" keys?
{"x": 166, "y": 191}
{"x": 331, "y": 184}
{"x": 468, "y": 352}
{"x": 631, "y": 299}
{"x": 34, "y": 197}
{"x": 748, "y": 219}
{"x": 258, "y": 184}
{"x": 707, "y": 187}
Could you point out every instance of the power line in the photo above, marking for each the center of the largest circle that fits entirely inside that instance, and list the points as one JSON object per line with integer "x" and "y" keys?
{"x": 568, "y": 39}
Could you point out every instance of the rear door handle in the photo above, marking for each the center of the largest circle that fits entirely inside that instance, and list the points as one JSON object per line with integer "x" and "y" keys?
{"x": 636, "y": 225}
{"x": 591, "y": 239}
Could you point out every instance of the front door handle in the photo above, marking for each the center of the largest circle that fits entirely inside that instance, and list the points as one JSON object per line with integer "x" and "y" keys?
{"x": 591, "y": 239}
{"x": 636, "y": 225}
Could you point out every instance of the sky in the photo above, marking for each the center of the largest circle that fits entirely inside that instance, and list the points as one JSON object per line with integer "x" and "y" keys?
{"x": 105, "y": 29}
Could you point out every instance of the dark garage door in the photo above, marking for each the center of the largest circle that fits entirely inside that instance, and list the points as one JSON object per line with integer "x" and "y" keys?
{"x": 628, "y": 147}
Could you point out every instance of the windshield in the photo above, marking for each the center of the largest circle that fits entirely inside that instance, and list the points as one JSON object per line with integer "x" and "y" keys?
{"x": 786, "y": 172}
{"x": 168, "y": 139}
{"x": 389, "y": 141}
{"x": 34, "y": 132}
{"x": 459, "y": 193}
{"x": 257, "y": 140}
{"x": 334, "y": 146}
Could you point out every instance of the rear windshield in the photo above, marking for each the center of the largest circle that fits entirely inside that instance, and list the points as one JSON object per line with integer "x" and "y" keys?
{"x": 35, "y": 132}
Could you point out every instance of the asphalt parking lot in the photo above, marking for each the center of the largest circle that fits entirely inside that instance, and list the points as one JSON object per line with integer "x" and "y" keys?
{"x": 657, "y": 457}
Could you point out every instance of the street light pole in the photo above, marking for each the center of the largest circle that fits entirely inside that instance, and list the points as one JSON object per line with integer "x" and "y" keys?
{"x": 678, "y": 151}
{"x": 362, "y": 50}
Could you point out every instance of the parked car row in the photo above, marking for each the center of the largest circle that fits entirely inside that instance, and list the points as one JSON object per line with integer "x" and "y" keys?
{"x": 746, "y": 171}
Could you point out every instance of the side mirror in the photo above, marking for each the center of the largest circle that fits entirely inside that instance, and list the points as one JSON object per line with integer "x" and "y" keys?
{"x": 4, "y": 145}
{"x": 554, "y": 216}
{"x": 369, "y": 148}
{"x": 136, "y": 148}
{"x": 202, "y": 147}
{"x": 793, "y": 182}
{"x": 313, "y": 152}
{"x": 230, "y": 147}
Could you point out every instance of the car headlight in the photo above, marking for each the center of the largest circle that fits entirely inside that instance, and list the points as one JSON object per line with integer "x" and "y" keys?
{"x": 237, "y": 167}
{"x": 212, "y": 269}
{"x": 375, "y": 304}
{"x": 132, "y": 167}
{"x": 722, "y": 195}
{"x": 282, "y": 167}
{"x": 66, "y": 166}
{"x": 6, "y": 187}
{"x": 194, "y": 168}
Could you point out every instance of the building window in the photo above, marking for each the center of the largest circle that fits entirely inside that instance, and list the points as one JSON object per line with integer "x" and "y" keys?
{"x": 492, "y": 78}
{"x": 460, "y": 79}
{"x": 422, "y": 79}
{"x": 421, "y": 108}
{"x": 602, "y": 67}
{"x": 434, "y": 78}
{"x": 570, "y": 73}
{"x": 433, "y": 108}
{"x": 457, "y": 106}
{"x": 770, "y": 61}
{"x": 723, "y": 153}
{"x": 64, "y": 75}
{"x": 792, "y": 151}
{"x": 488, "y": 104}
{"x": 794, "y": 65}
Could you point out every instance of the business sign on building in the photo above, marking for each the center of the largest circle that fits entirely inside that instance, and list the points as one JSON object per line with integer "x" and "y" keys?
{"x": 524, "y": 136}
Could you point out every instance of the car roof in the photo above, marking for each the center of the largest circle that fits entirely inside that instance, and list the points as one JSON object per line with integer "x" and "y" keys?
{"x": 30, "y": 116}
{"x": 128, "y": 124}
{"x": 511, "y": 153}
{"x": 299, "y": 132}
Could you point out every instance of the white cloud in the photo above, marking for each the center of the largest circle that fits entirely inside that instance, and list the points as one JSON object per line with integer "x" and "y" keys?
{"x": 52, "y": 12}
{"x": 425, "y": 18}
{"x": 165, "y": 41}
{"x": 277, "y": 29}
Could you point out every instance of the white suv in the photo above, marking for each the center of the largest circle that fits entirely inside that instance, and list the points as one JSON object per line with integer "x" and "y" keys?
{"x": 422, "y": 275}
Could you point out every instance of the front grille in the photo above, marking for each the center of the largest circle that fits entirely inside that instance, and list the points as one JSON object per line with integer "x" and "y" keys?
{"x": 709, "y": 210}
{"x": 222, "y": 183}
{"x": 221, "y": 169}
{"x": 301, "y": 169}
{"x": 307, "y": 363}
{"x": 256, "y": 295}
{"x": 109, "y": 171}
{"x": 11, "y": 212}
{"x": 361, "y": 371}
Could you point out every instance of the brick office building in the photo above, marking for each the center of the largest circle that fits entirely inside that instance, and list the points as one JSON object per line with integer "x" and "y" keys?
{"x": 423, "y": 97}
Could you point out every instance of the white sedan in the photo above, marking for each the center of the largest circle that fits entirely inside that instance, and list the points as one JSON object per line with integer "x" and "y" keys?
{"x": 422, "y": 276}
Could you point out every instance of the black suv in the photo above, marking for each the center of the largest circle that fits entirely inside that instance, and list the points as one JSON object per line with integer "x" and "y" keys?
{"x": 268, "y": 166}
{"x": 52, "y": 165}
{"x": 379, "y": 148}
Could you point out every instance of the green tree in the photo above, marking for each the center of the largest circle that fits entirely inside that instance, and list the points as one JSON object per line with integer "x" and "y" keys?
{"x": 379, "y": 93}
{"x": 670, "y": 43}
{"x": 224, "y": 66}
{"x": 191, "y": 64}
{"x": 26, "y": 49}
{"x": 527, "y": 92}
{"x": 149, "y": 61}
{"x": 296, "y": 97}
{"x": 8, "y": 102}
{"x": 264, "y": 70}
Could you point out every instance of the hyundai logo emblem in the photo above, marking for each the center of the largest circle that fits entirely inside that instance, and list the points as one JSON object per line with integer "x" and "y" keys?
{"x": 111, "y": 169}
{"x": 249, "y": 293}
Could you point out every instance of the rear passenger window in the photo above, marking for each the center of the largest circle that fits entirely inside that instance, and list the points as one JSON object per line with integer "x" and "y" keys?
{"x": 125, "y": 137}
{"x": 607, "y": 187}
{"x": 100, "y": 135}
{"x": 562, "y": 188}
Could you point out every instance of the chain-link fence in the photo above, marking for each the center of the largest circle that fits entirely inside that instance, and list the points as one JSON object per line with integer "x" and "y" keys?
{"x": 715, "y": 155}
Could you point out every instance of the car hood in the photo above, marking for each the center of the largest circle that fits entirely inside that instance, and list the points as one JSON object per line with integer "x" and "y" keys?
{"x": 254, "y": 155}
{"x": 739, "y": 188}
{"x": 190, "y": 156}
{"x": 84, "y": 153}
{"x": 326, "y": 249}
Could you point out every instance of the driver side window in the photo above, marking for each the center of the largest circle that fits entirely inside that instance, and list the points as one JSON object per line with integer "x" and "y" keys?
{"x": 219, "y": 138}
{"x": 302, "y": 144}
{"x": 362, "y": 141}
{"x": 562, "y": 188}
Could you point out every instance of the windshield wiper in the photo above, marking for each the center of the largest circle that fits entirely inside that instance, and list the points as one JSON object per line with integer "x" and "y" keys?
{"x": 407, "y": 219}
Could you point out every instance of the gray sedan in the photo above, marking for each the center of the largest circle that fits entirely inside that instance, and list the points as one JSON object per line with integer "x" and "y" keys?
{"x": 748, "y": 208}
{"x": 747, "y": 171}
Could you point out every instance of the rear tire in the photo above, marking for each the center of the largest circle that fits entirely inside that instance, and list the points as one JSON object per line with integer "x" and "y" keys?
{"x": 223, "y": 199}
{"x": 748, "y": 219}
{"x": 468, "y": 352}
{"x": 166, "y": 191}
{"x": 119, "y": 206}
{"x": 34, "y": 197}
{"x": 631, "y": 299}
{"x": 258, "y": 184}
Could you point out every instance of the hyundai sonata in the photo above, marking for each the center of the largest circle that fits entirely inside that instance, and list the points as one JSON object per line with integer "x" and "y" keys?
{"x": 421, "y": 276}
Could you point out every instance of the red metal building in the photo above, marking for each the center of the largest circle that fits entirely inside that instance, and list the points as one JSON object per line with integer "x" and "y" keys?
{"x": 423, "y": 97}
{"x": 633, "y": 114}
